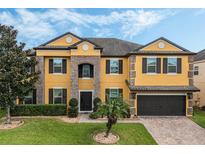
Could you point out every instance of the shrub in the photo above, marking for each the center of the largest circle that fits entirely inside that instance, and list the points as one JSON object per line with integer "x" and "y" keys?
{"x": 127, "y": 114}
{"x": 96, "y": 102}
{"x": 94, "y": 115}
{"x": 73, "y": 108}
{"x": 203, "y": 108}
{"x": 39, "y": 110}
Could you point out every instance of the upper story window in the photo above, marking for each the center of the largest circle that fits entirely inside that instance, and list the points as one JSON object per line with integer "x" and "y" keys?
{"x": 172, "y": 65}
{"x": 196, "y": 70}
{"x": 85, "y": 71}
{"x": 151, "y": 65}
{"x": 57, "y": 65}
{"x": 114, "y": 66}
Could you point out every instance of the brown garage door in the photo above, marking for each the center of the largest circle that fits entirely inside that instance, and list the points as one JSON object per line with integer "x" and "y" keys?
{"x": 161, "y": 105}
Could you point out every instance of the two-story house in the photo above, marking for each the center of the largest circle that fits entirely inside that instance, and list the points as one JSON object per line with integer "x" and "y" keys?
{"x": 156, "y": 78}
{"x": 199, "y": 78}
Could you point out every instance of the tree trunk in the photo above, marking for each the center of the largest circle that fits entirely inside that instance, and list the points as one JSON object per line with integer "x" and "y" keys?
{"x": 8, "y": 117}
{"x": 109, "y": 125}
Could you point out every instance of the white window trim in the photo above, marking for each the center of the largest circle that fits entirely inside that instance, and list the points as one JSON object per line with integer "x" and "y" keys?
{"x": 118, "y": 66}
{"x": 61, "y": 88}
{"x": 152, "y": 73}
{"x": 171, "y": 73}
{"x": 61, "y": 66}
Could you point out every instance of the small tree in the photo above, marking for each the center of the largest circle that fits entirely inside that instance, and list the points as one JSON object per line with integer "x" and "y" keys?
{"x": 114, "y": 109}
{"x": 73, "y": 108}
{"x": 15, "y": 78}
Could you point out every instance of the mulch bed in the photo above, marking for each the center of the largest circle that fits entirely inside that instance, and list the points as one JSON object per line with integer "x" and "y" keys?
{"x": 14, "y": 124}
{"x": 111, "y": 139}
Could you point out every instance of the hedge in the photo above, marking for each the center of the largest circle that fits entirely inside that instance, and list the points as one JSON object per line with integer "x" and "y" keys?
{"x": 39, "y": 110}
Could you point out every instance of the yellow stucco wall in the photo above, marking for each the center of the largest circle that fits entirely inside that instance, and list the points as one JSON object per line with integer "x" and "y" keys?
{"x": 114, "y": 81}
{"x": 155, "y": 47}
{"x": 57, "y": 80}
{"x": 162, "y": 79}
{"x": 90, "y": 52}
{"x": 62, "y": 41}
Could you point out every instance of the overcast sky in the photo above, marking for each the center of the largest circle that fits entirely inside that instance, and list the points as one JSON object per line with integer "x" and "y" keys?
{"x": 185, "y": 27}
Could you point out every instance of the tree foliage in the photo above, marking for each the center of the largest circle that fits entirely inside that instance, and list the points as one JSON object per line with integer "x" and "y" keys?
{"x": 15, "y": 78}
{"x": 113, "y": 109}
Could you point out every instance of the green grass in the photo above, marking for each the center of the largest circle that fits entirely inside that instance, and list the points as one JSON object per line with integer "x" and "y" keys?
{"x": 50, "y": 131}
{"x": 199, "y": 117}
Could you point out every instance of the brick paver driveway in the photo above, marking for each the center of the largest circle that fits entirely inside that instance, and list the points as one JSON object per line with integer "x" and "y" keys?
{"x": 174, "y": 130}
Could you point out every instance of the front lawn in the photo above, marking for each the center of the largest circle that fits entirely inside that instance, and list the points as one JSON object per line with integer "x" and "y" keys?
{"x": 199, "y": 117}
{"x": 50, "y": 131}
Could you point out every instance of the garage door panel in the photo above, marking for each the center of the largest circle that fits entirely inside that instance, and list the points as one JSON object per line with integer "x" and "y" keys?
{"x": 169, "y": 105}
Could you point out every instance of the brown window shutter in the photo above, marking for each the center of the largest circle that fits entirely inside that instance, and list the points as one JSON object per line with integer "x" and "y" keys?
{"x": 64, "y": 96}
{"x": 107, "y": 66}
{"x": 158, "y": 65}
{"x": 34, "y": 96}
{"x": 144, "y": 65}
{"x": 179, "y": 65}
{"x": 80, "y": 70}
{"x": 120, "y": 66}
{"x": 107, "y": 94}
{"x": 50, "y": 65}
{"x": 91, "y": 71}
{"x": 64, "y": 65}
{"x": 50, "y": 96}
{"x": 121, "y": 92}
{"x": 165, "y": 65}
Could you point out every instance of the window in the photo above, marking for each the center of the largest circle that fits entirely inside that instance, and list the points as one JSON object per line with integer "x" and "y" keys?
{"x": 114, "y": 93}
{"x": 151, "y": 65}
{"x": 29, "y": 98}
{"x": 196, "y": 70}
{"x": 172, "y": 65}
{"x": 57, "y": 65}
{"x": 86, "y": 71}
{"x": 57, "y": 96}
{"x": 114, "y": 66}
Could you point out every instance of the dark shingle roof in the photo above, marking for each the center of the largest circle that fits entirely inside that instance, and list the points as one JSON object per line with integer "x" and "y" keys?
{"x": 163, "y": 88}
{"x": 114, "y": 46}
{"x": 200, "y": 56}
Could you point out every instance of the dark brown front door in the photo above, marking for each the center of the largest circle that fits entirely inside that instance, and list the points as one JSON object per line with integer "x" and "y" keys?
{"x": 86, "y": 101}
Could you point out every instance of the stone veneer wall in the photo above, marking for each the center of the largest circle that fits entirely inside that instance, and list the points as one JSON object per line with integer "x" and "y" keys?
{"x": 40, "y": 83}
{"x": 190, "y": 95}
{"x": 75, "y": 61}
{"x": 132, "y": 75}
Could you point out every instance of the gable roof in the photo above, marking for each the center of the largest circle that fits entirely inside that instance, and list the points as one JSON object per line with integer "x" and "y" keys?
{"x": 140, "y": 51}
{"x": 200, "y": 56}
{"x": 56, "y": 38}
{"x": 114, "y": 46}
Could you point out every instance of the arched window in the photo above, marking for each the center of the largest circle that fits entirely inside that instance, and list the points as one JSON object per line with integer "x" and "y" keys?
{"x": 85, "y": 71}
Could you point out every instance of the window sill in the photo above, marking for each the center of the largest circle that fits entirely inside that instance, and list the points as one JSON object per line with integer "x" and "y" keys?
{"x": 86, "y": 78}
{"x": 151, "y": 73}
{"x": 58, "y": 73}
{"x": 114, "y": 74}
{"x": 171, "y": 73}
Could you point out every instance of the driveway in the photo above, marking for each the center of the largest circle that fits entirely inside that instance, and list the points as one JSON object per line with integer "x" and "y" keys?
{"x": 174, "y": 130}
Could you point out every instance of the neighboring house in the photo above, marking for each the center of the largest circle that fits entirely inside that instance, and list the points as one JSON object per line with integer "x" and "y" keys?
{"x": 156, "y": 78}
{"x": 199, "y": 78}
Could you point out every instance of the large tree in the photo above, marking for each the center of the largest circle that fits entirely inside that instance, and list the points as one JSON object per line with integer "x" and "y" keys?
{"x": 16, "y": 79}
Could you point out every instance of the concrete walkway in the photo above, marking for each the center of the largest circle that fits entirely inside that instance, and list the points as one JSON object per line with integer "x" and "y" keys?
{"x": 174, "y": 130}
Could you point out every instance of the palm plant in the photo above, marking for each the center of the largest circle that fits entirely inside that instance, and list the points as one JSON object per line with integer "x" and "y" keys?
{"x": 113, "y": 109}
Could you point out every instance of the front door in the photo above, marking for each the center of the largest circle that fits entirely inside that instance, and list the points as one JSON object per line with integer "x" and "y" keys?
{"x": 85, "y": 101}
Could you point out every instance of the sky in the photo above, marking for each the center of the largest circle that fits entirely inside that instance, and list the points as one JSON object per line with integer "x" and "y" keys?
{"x": 186, "y": 27}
